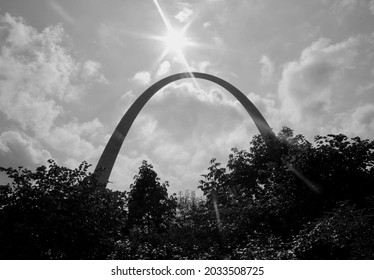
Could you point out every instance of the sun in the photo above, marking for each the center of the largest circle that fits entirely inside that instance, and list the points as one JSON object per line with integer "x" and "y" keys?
{"x": 175, "y": 41}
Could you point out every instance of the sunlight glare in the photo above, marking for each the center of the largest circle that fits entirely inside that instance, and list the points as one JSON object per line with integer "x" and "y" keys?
{"x": 175, "y": 41}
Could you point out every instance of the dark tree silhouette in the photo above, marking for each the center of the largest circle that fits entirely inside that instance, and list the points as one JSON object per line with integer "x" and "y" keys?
{"x": 58, "y": 213}
{"x": 283, "y": 198}
{"x": 149, "y": 205}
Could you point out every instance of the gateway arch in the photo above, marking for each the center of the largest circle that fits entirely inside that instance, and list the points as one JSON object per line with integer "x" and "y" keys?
{"x": 109, "y": 155}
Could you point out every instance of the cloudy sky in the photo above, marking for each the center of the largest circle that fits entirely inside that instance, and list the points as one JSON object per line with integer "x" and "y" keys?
{"x": 70, "y": 69}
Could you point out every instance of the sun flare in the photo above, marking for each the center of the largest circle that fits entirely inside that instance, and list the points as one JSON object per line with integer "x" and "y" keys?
{"x": 175, "y": 41}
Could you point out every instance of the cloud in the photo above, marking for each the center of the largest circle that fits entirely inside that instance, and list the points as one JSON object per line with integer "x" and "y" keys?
{"x": 38, "y": 78}
{"x": 163, "y": 69}
{"x": 267, "y": 69}
{"x": 318, "y": 93}
{"x": 354, "y": 122}
{"x": 181, "y": 111}
{"x": 143, "y": 78}
{"x": 36, "y": 71}
{"x": 363, "y": 120}
{"x": 17, "y": 149}
{"x": 307, "y": 85}
{"x": 73, "y": 139}
{"x": 184, "y": 15}
{"x": 269, "y": 108}
{"x": 91, "y": 70}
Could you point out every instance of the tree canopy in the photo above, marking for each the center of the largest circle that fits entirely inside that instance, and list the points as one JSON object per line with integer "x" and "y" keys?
{"x": 284, "y": 198}
{"x": 58, "y": 213}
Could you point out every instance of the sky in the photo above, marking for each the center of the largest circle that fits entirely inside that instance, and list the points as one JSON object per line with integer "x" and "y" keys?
{"x": 70, "y": 69}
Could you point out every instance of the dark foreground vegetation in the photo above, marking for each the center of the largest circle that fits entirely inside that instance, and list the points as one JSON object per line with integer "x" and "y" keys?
{"x": 290, "y": 200}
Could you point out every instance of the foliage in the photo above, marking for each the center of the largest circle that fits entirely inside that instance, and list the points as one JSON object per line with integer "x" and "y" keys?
{"x": 283, "y": 198}
{"x": 149, "y": 204}
{"x": 58, "y": 213}
{"x": 277, "y": 193}
{"x": 345, "y": 232}
{"x": 151, "y": 212}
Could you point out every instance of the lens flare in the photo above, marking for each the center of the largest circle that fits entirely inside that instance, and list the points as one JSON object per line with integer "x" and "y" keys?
{"x": 175, "y": 41}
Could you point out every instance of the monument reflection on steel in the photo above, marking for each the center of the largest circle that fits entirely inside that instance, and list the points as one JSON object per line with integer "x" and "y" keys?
{"x": 108, "y": 157}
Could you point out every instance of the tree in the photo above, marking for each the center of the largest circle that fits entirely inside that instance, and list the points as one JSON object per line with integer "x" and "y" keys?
{"x": 58, "y": 213}
{"x": 279, "y": 192}
{"x": 345, "y": 232}
{"x": 284, "y": 198}
{"x": 151, "y": 213}
{"x": 149, "y": 204}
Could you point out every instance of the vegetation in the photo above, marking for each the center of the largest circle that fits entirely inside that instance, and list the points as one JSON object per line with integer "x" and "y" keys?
{"x": 288, "y": 199}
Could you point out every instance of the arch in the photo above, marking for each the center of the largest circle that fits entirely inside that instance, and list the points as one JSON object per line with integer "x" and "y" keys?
{"x": 109, "y": 155}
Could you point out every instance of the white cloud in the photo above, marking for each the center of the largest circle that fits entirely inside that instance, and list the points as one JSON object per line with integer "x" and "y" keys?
{"x": 362, "y": 120}
{"x": 213, "y": 95}
{"x": 143, "y": 78}
{"x": 91, "y": 70}
{"x": 38, "y": 77}
{"x": 181, "y": 110}
{"x": 72, "y": 139}
{"x": 267, "y": 69}
{"x": 319, "y": 92}
{"x": 268, "y": 107}
{"x": 184, "y": 15}
{"x": 307, "y": 85}
{"x": 147, "y": 130}
{"x": 17, "y": 149}
{"x": 36, "y": 71}
{"x": 357, "y": 121}
{"x": 34, "y": 60}
{"x": 19, "y": 33}
{"x": 163, "y": 69}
